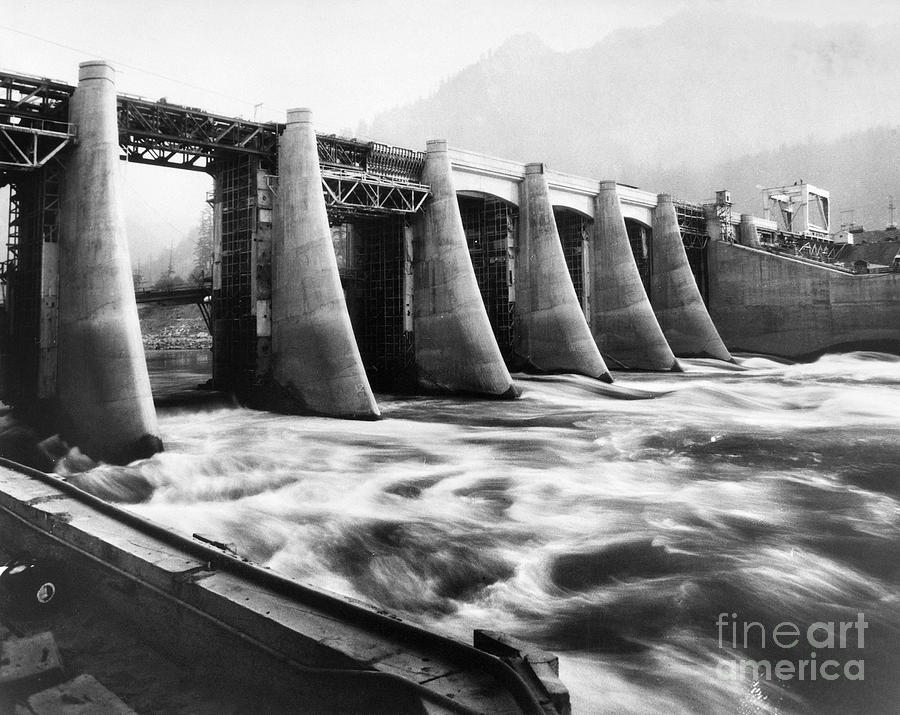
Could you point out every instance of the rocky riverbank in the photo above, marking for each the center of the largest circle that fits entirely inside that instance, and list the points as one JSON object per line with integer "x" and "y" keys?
{"x": 178, "y": 327}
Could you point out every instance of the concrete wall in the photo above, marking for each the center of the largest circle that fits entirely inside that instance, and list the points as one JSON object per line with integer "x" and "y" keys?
{"x": 765, "y": 303}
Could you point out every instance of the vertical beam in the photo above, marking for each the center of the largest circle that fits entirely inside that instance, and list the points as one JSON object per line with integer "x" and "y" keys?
{"x": 676, "y": 298}
{"x": 511, "y": 251}
{"x": 102, "y": 383}
{"x": 587, "y": 275}
{"x": 804, "y": 208}
{"x": 455, "y": 347}
{"x": 217, "y": 238}
{"x": 622, "y": 319}
{"x": 49, "y": 327}
{"x": 316, "y": 365}
{"x": 552, "y": 334}
{"x": 24, "y": 304}
{"x": 261, "y": 273}
{"x": 220, "y": 372}
{"x": 408, "y": 281}
{"x": 47, "y": 242}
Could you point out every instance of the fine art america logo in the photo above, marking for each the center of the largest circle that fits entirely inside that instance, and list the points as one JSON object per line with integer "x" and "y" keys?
{"x": 822, "y": 638}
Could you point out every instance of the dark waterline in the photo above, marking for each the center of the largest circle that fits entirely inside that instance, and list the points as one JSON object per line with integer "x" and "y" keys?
{"x": 612, "y": 531}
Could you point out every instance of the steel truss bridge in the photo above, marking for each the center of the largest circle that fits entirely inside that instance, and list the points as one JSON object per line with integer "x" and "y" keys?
{"x": 357, "y": 177}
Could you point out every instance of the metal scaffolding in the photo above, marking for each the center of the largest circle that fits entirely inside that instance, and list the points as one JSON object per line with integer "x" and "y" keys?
{"x": 349, "y": 193}
{"x": 369, "y": 178}
{"x": 234, "y": 325}
{"x": 385, "y": 344}
{"x": 34, "y": 206}
{"x": 389, "y": 162}
{"x": 694, "y": 236}
{"x": 186, "y": 137}
{"x": 490, "y": 225}
{"x": 574, "y": 231}
{"x": 33, "y": 126}
{"x": 641, "y": 239}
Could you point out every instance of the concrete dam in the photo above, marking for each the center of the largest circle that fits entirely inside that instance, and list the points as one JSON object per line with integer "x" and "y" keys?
{"x": 344, "y": 267}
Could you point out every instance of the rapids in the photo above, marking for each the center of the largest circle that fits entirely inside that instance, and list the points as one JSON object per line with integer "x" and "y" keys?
{"x": 609, "y": 524}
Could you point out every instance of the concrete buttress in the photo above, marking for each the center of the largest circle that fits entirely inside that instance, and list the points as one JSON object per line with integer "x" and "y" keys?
{"x": 103, "y": 388}
{"x": 622, "y": 319}
{"x": 455, "y": 347}
{"x": 316, "y": 364}
{"x": 674, "y": 294}
{"x": 552, "y": 333}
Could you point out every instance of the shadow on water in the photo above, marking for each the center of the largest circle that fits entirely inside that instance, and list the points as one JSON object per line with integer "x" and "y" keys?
{"x": 182, "y": 378}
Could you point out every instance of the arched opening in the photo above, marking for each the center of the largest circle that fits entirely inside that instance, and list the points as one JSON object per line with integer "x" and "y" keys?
{"x": 490, "y": 224}
{"x": 574, "y": 230}
{"x": 640, "y": 236}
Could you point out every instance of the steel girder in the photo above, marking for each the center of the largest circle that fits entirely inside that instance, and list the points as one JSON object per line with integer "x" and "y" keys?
{"x": 23, "y": 96}
{"x": 186, "y": 137}
{"x": 24, "y": 147}
{"x": 692, "y": 222}
{"x": 356, "y": 192}
{"x": 357, "y": 177}
{"x": 33, "y": 126}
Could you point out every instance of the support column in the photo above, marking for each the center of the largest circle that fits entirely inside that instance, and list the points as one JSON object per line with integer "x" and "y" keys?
{"x": 676, "y": 300}
{"x": 408, "y": 280}
{"x": 748, "y": 234}
{"x": 48, "y": 362}
{"x": 622, "y": 319}
{"x": 316, "y": 365}
{"x": 455, "y": 347}
{"x": 552, "y": 333}
{"x": 102, "y": 382}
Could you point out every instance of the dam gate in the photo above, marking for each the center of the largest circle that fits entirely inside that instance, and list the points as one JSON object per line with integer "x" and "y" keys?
{"x": 372, "y": 193}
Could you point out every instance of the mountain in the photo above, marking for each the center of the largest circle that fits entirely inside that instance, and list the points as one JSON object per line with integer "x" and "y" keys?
{"x": 658, "y": 106}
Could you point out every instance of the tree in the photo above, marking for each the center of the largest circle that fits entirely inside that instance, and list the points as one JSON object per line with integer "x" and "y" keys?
{"x": 137, "y": 277}
{"x": 168, "y": 279}
{"x": 203, "y": 248}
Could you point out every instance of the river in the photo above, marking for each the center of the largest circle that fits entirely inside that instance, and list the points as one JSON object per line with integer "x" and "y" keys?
{"x": 639, "y": 530}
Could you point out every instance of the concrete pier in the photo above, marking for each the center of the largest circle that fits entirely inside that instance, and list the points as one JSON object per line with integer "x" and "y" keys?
{"x": 676, "y": 299}
{"x": 455, "y": 347}
{"x": 622, "y": 319}
{"x": 316, "y": 365}
{"x": 552, "y": 333}
{"x": 748, "y": 236}
{"x": 103, "y": 388}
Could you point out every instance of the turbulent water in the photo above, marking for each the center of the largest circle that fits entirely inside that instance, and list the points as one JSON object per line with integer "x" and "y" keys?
{"x": 610, "y": 524}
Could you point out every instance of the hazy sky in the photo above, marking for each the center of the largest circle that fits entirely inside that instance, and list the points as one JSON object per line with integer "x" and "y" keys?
{"x": 346, "y": 59}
